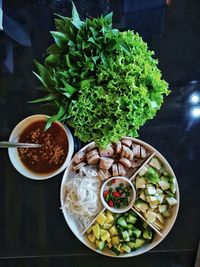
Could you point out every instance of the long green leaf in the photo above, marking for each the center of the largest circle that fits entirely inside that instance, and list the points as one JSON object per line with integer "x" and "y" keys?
{"x": 40, "y": 78}
{"x": 43, "y": 99}
{"x": 75, "y": 17}
{"x": 56, "y": 117}
{"x": 108, "y": 18}
{"x": 59, "y": 38}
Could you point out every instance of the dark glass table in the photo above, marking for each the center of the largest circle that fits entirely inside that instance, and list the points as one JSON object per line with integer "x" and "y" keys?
{"x": 33, "y": 231}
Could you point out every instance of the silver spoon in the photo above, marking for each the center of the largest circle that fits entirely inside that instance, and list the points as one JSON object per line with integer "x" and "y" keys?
{"x": 5, "y": 144}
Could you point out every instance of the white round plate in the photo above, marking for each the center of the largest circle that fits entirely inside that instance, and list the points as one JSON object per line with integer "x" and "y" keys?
{"x": 74, "y": 226}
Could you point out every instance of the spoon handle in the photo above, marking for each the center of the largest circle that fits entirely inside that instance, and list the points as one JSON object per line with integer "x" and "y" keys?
{"x": 5, "y": 144}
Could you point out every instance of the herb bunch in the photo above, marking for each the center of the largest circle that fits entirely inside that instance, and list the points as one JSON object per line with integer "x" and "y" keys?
{"x": 103, "y": 82}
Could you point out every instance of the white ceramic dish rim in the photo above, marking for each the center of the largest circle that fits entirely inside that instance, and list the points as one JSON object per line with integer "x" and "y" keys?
{"x": 115, "y": 210}
{"x": 149, "y": 246}
{"x": 13, "y": 154}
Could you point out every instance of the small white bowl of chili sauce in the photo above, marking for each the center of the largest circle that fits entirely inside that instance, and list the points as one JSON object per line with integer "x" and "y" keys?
{"x": 54, "y": 155}
{"x": 118, "y": 194}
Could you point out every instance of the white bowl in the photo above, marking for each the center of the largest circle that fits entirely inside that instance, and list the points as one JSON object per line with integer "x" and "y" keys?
{"x": 118, "y": 210}
{"x": 14, "y": 155}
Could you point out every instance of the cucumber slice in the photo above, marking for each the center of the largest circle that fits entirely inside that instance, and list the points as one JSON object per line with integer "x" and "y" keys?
{"x": 125, "y": 236}
{"x": 151, "y": 216}
{"x": 166, "y": 214}
{"x": 132, "y": 239}
{"x": 131, "y": 245}
{"x": 162, "y": 208}
{"x": 131, "y": 219}
{"x": 152, "y": 199}
{"x": 130, "y": 233}
{"x": 164, "y": 185}
{"x": 121, "y": 221}
{"x": 155, "y": 163}
{"x": 150, "y": 190}
{"x": 169, "y": 193}
{"x": 130, "y": 226}
{"x": 142, "y": 196}
{"x": 132, "y": 213}
{"x": 137, "y": 232}
{"x": 100, "y": 244}
{"x": 152, "y": 176}
{"x": 172, "y": 201}
{"x": 147, "y": 234}
{"x": 163, "y": 178}
{"x": 158, "y": 191}
{"x": 143, "y": 171}
{"x": 115, "y": 250}
{"x": 139, "y": 243}
{"x": 172, "y": 181}
{"x": 160, "y": 198}
{"x": 118, "y": 247}
{"x": 145, "y": 225}
{"x": 140, "y": 182}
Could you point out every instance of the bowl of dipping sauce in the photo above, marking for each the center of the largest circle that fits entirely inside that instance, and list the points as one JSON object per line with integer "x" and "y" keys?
{"x": 54, "y": 155}
{"x": 118, "y": 194}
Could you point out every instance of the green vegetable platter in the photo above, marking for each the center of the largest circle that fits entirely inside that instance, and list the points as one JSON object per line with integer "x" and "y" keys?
{"x": 102, "y": 82}
{"x": 143, "y": 225}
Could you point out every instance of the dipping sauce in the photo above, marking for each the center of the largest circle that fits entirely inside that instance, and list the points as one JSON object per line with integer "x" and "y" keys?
{"x": 51, "y": 155}
{"x": 117, "y": 193}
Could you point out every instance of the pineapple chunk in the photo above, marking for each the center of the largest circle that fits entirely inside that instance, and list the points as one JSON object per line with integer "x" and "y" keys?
{"x": 91, "y": 237}
{"x": 105, "y": 236}
{"x": 102, "y": 232}
{"x": 109, "y": 245}
{"x": 115, "y": 240}
{"x": 108, "y": 240}
{"x": 109, "y": 217}
{"x": 107, "y": 226}
{"x": 113, "y": 230}
{"x": 89, "y": 230}
{"x": 96, "y": 230}
{"x": 101, "y": 218}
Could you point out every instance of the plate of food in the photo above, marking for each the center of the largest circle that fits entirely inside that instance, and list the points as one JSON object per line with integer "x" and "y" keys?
{"x": 120, "y": 201}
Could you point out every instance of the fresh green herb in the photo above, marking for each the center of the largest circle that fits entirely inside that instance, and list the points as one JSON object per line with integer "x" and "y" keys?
{"x": 152, "y": 175}
{"x": 104, "y": 83}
